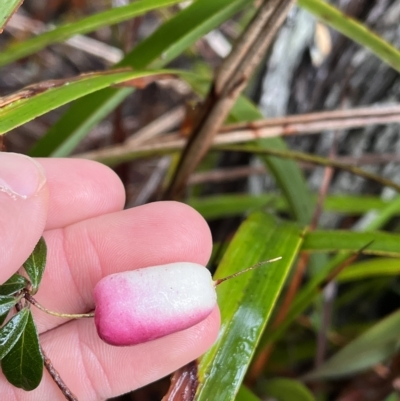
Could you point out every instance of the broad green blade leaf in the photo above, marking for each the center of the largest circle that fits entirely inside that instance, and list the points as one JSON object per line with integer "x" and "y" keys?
{"x": 285, "y": 390}
{"x": 14, "y": 284}
{"x": 23, "y": 365}
{"x": 34, "y": 101}
{"x": 353, "y": 30}
{"x": 374, "y": 346}
{"x": 166, "y": 43}
{"x": 375, "y": 267}
{"x": 11, "y": 332}
{"x": 245, "y": 394}
{"x": 7, "y": 9}
{"x": 6, "y": 303}
{"x": 85, "y": 25}
{"x": 286, "y": 172}
{"x": 382, "y": 243}
{"x": 312, "y": 289}
{"x": 36, "y": 263}
{"x": 246, "y": 302}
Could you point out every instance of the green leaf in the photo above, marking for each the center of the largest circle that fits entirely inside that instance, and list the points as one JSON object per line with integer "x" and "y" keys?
{"x": 41, "y": 98}
{"x": 312, "y": 289}
{"x": 218, "y": 206}
{"x": 244, "y": 394}
{"x": 246, "y": 302}
{"x": 35, "y": 264}
{"x": 286, "y": 172}
{"x": 374, "y": 346}
{"x": 6, "y": 303}
{"x": 14, "y": 284}
{"x": 376, "y": 267}
{"x": 353, "y": 30}
{"x": 11, "y": 332}
{"x": 166, "y": 43}
{"x": 23, "y": 365}
{"x": 214, "y": 207}
{"x": 382, "y": 243}
{"x": 7, "y": 9}
{"x": 84, "y": 25}
{"x": 285, "y": 390}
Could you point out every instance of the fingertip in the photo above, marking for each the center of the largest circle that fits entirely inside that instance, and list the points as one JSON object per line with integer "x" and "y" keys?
{"x": 24, "y": 200}
{"x": 190, "y": 228}
{"x": 80, "y": 189}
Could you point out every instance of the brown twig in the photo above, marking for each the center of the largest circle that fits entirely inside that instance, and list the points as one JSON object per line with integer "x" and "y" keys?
{"x": 57, "y": 378}
{"x": 327, "y": 300}
{"x": 305, "y": 157}
{"x": 238, "y": 133}
{"x": 229, "y": 82}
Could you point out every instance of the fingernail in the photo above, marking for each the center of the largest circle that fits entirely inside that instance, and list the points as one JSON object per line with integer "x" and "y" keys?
{"x": 20, "y": 176}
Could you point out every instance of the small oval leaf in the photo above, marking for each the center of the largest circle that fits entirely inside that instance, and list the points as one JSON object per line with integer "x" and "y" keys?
{"x": 35, "y": 264}
{"x": 6, "y": 303}
{"x": 23, "y": 365}
{"x": 14, "y": 284}
{"x": 11, "y": 332}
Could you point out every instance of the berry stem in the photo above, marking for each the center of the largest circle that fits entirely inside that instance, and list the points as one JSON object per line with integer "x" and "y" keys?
{"x": 221, "y": 280}
{"x": 35, "y": 303}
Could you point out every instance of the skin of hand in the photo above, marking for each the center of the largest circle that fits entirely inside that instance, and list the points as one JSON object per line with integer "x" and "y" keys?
{"x": 78, "y": 205}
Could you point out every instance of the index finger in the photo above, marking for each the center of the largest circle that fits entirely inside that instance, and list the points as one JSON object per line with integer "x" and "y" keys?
{"x": 80, "y": 189}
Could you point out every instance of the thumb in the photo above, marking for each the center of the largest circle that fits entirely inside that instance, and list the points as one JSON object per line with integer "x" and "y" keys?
{"x": 23, "y": 210}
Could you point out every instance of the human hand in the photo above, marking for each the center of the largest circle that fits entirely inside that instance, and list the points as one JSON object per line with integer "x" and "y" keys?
{"x": 78, "y": 204}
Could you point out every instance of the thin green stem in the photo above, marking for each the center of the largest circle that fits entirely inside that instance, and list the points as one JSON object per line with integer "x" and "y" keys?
{"x": 35, "y": 303}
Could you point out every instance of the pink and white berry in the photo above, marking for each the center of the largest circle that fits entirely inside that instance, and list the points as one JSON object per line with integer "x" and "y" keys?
{"x": 141, "y": 305}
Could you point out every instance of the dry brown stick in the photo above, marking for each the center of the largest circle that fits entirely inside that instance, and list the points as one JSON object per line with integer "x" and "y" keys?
{"x": 227, "y": 87}
{"x": 355, "y": 113}
{"x": 57, "y": 378}
{"x": 322, "y": 161}
{"x": 326, "y": 315}
{"x": 234, "y": 173}
{"x": 231, "y": 134}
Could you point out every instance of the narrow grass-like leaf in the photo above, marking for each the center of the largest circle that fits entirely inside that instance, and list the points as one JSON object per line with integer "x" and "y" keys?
{"x": 353, "y": 30}
{"x": 11, "y": 332}
{"x": 313, "y": 288}
{"x": 380, "y": 243}
{"x": 32, "y": 102}
{"x": 281, "y": 389}
{"x": 166, "y": 43}
{"x": 376, "y": 267}
{"x": 14, "y": 284}
{"x": 6, "y": 303}
{"x": 84, "y": 25}
{"x": 246, "y": 302}
{"x": 36, "y": 263}
{"x": 374, "y": 346}
{"x": 212, "y": 207}
{"x": 287, "y": 173}
{"x": 23, "y": 365}
{"x": 7, "y": 9}
{"x": 215, "y": 207}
